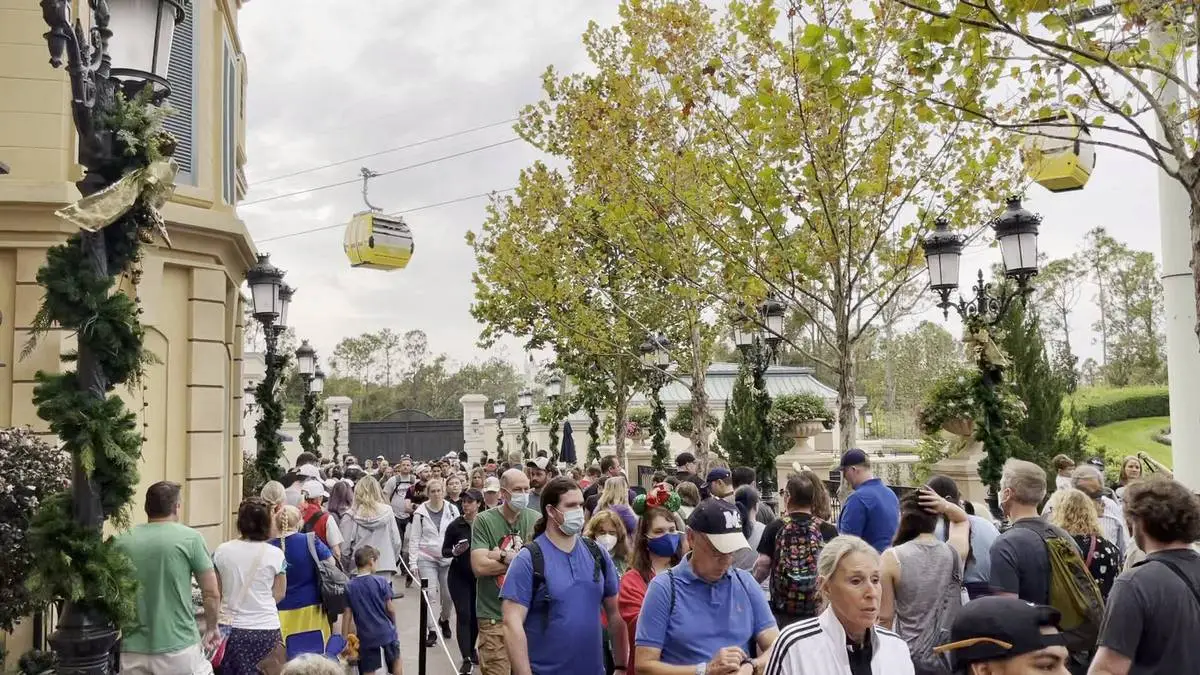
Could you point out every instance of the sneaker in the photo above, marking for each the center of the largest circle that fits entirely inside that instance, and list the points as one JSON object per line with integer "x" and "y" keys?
{"x": 466, "y": 668}
{"x": 445, "y": 626}
{"x": 431, "y": 639}
{"x": 407, "y": 581}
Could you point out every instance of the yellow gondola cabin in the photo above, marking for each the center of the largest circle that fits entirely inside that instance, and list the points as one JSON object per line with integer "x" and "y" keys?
{"x": 378, "y": 242}
{"x": 1059, "y": 156}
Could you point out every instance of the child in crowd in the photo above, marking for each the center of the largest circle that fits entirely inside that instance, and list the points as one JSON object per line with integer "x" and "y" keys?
{"x": 372, "y": 612}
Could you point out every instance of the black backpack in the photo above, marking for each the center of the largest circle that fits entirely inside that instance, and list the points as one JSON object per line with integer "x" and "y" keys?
{"x": 540, "y": 592}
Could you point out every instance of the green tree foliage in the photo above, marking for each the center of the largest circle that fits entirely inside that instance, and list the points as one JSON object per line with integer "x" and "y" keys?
{"x": 742, "y": 432}
{"x": 1119, "y": 75}
{"x": 1032, "y": 378}
{"x": 900, "y": 368}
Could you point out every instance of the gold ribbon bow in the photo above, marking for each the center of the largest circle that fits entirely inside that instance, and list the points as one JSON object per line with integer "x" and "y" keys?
{"x": 155, "y": 183}
{"x": 981, "y": 347}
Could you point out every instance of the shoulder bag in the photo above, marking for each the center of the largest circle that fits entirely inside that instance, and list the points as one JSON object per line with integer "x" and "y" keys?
{"x": 331, "y": 580}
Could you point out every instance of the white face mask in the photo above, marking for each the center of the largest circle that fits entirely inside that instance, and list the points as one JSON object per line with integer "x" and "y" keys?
{"x": 607, "y": 541}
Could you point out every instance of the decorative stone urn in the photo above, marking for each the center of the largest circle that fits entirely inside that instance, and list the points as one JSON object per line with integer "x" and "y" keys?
{"x": 804, "y": 430}
{"x": 959, "y": 426}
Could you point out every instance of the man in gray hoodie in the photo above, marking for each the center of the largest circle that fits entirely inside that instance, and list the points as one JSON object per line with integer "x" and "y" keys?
{"x": 395, "y": 491}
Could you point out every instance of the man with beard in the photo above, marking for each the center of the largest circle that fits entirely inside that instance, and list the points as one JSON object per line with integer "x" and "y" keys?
{"x": 536, "y": 470}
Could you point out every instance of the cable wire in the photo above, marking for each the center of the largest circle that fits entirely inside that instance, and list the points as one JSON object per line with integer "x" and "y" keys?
{"x": 352, "y": 181}
{"x": 406, "y": 146}
{"x": 396, "y": 213}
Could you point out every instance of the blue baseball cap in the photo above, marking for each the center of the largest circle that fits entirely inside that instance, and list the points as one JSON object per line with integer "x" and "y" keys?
{"x": 852, "y": 457}
{"x": 718, "y": 474}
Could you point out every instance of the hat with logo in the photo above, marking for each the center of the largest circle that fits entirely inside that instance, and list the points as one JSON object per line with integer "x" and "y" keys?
{"x": 997, "y": 628}
{"x": 852, "y": 457}
{"x": 718, "y": 474}
{"x": 538, "y": 463}
{"x": 491, "y": 484}
{"x": 308, "y": 471}
{"x": 314, "y": 489}
{"x": 721, "y": 522}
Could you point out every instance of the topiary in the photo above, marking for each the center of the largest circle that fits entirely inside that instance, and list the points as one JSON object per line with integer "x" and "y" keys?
{"x": 792, "y": 409}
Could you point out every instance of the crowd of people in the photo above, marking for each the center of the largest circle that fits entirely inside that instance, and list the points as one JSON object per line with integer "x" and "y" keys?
{"x": 537, "y": 569}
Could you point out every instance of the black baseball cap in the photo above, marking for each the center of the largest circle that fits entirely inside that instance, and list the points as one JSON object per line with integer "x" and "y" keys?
{"x": 721, "y": 522}
{"x": 718, "y": 474}
{"x": 996, "y": 628}
{"x": 472, "y": 495}
{"x": 852, "y": 457}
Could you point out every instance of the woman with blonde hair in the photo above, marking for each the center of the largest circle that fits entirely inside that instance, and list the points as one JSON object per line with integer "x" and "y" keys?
{"x": 843, "y": 639}
{"x": 1075, "y": 513}
{"x": 372, "y": 523}
{"x": 302, "y": 620}
{"x": 274, "y": 493}
{"x": 607, "y": 529}
{"x": 614, "y": 496}
{"x": 689, "y": 495}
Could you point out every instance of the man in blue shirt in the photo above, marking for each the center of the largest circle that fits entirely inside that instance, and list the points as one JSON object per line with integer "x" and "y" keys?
{"x": 554, "y": 591}
{"x": 872, "y": 511}
{"x": 704, "y": 613}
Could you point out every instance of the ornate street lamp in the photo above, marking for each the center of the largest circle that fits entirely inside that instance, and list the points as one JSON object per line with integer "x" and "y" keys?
{"x": 337, "y": 432}
{"x": 655, "y": 360}
{"x": 1016, "y": 231}
{"x": 499, "y": 407}
{"x": 107, "y": 58}
{"x": 270, "y": 297}
{"x": 525, "y": 404}
{"x": 306, "y": 360}
{"x": 307, "y": 368}
{"x": 758, "y": 338}
{"x": 318, "y": 381}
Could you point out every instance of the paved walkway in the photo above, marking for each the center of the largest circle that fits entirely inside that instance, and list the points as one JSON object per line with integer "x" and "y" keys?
{"x": 408, "y": 615}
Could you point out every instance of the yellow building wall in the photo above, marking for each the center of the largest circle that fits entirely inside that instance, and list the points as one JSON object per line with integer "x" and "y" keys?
{"x": 190, "y": 399}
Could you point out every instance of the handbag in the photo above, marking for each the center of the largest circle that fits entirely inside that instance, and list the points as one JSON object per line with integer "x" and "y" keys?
{"x": 332, "y": 582}
{"x": 275, "y": 661}
{"x": 218, "y": 654}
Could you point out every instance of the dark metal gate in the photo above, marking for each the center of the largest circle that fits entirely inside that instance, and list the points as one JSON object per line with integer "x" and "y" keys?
{"x": 406, "y": 432}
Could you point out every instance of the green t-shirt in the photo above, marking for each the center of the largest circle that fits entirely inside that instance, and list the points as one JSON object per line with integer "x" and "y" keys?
{"x": 166, "y": 555}
{"x": 489, "y": 531}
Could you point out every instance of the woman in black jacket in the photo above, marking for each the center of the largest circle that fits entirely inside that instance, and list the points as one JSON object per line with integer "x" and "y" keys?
{"x": 457, "y": 545}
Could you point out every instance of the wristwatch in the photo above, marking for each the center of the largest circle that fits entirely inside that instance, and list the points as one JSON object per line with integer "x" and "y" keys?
{"x": 503, "y": 556}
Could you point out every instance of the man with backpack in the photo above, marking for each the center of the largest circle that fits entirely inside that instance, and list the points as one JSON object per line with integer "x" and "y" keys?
{"x": 788, "y": 552}
{"x": 1041, "y": 564}
{"x": 554, "y": 591}
{"x": 395, "y": 490}
{"x": 314, "y": 518}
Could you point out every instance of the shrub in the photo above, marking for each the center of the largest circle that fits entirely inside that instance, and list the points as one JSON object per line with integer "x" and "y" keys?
{"x": 637, "y": 421}
{"x": 31, "y": 470}
{"x": 681, "y": 421}
{"x": 1098, "y": 406}
{"x": 951, "y": 397}
{"x": 792, "y": 409}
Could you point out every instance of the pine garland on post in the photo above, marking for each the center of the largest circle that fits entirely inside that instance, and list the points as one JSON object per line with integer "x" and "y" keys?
{"x": 593, "y": 454}
{"x": 525, "y": 437}
{"x": 75, "y": 561}
{"x": 309, "y": 440}
{"x": 659, "y": 460}
{"x": 266, "y": 431}
{"x": 500, "y": 438}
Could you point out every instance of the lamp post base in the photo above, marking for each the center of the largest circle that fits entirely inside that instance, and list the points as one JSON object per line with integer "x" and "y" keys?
{"x": 85, "y": 642}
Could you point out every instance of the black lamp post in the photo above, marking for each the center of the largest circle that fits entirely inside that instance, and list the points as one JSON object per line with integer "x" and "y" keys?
{"x": 337, "y": 433}
{"x": 553, "y": 392}
{"x": 758, "y": 338}
{"x": 101, "y": 61}
{"x": 499, "y": 407}
{"x": 271, "y": 298}
{"x": 306, "y": 366}
{"x": 655, "y": 360}
{"x": 524, "y": 405}
{"x": 1016, "y": 231}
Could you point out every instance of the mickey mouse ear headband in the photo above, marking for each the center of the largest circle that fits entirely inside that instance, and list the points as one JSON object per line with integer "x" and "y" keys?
{"x": 659, "y": 496}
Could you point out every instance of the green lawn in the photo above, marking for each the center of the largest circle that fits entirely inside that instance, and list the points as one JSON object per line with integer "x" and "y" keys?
{"x": 1129, "y": 436}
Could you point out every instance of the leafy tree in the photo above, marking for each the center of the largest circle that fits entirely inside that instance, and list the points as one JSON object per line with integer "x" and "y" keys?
{"x": 899, "y": 369}
{"x": 1033, "y": 379}
{"x": 830, "y": 170}
{"x": 742, "y": 431}
{"x": 1099, "y": 259}
{"x": 1136, "y": 330}
{"x": 1120, "y": 76}
{"x": 1057, "y": 291}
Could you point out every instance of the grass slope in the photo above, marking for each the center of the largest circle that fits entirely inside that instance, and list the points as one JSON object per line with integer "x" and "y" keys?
{"x": 1129, "y": 436}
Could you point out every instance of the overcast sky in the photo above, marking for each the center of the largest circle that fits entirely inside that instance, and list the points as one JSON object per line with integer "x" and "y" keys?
{"x": 333, "y": 80}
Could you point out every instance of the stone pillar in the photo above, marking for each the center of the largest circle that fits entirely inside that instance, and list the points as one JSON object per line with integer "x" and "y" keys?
{"x": 206, "y": 493}
{"x": 475, "y": 426}
{"x": 963, "y": 467}
{"x": 342, "y": 404}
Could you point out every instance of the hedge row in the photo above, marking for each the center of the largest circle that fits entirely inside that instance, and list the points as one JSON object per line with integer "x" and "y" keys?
{"x": 1098, "y": 406}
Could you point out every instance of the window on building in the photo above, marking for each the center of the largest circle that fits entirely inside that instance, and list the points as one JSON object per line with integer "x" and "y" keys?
{"x": 181, "y": 73}
{"x": 230, "y": 84}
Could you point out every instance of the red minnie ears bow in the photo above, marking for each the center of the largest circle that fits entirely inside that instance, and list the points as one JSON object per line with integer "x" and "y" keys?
{"x": 659, "y": 496}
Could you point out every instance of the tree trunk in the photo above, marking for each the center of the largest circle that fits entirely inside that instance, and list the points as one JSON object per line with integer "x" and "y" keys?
{"x": 699, "y": 401}
{"x": 621, "y": 410}
{"x": 847, "y": 412}
{"x": 1194, "y": 222}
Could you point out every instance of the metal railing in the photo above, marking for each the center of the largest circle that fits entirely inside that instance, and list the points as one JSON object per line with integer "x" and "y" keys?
{"x": 833, "y": 487}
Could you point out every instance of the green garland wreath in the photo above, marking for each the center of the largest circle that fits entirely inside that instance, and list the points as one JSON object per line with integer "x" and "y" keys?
{"x": 660, "y": 457}
{"x": 266, "y": 431}
{"x": 310, "y": 422}
{"x": 76, "y": 562}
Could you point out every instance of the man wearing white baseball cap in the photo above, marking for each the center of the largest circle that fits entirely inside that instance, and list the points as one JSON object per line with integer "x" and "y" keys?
{"x": 316, "y": 519}
{"x": 705, "y": 613}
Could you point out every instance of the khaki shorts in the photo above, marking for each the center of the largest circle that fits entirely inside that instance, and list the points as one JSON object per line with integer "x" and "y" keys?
{"x": 189, "y": 661}
{"x": 492, "y": 654}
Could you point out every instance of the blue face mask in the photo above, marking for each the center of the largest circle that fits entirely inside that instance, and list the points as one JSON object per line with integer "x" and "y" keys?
{"x": 665, "y": 545}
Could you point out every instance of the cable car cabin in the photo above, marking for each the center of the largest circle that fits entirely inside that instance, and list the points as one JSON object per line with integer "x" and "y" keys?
{"x": 1059, "y": 157}
{"x": 377, "y": 242}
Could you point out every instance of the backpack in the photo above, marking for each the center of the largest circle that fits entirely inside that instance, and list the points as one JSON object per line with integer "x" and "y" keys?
{"x": 794, "y": 575}
{"x": 540, "y": 590}
{"x": 925, "y": 661}
{"x": 1073, "y": 592}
